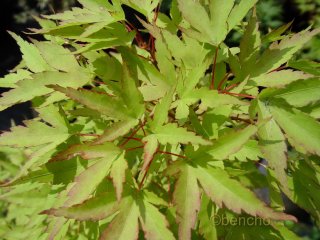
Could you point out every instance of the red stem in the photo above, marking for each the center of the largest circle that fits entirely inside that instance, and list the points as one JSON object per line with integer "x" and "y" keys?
{"x": 173, "y": 154}
{"x": 231, "y": 87}
{"x": 131, "y": 149}
{"x": 131, "y": 135}
{"x": 88, "y": 135}
{"x": 239, "y": 95}
{"x": 223, "y": 80}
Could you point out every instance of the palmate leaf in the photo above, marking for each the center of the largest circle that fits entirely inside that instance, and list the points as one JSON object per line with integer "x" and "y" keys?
{"x": 88, "y": 180}
{"x": 125, "y": 216}
{"x": 111, "y": 160}
{"x": 220, "y": 188}
{"x": 133, "y": 143}
{"x": 302, "y": 131}
{"x": 100, "y": 102}
{"x": 125, "y": 226}
{"x": 172, "y": 134}
{"x": 26, "y": 91}
{"x": 154, "y": 224}
{"x": 223, "y": 190}
{"x": 213, "y": 28}
{"x": 280, "y": 53}
{"x": 31, "y": 55}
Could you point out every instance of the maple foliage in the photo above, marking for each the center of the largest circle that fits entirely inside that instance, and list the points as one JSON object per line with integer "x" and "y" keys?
{"x": 151, "y": 132}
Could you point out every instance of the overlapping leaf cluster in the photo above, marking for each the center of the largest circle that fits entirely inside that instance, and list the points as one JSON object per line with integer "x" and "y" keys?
{"x": 153, "y": 133}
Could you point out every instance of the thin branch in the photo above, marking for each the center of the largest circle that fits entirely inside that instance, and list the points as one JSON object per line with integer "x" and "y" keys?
{"x": 145, "y": 174}
{"x": 239, "y": 95}
{"x": 170, "y": 153}
{"x": 223, "y": 80}
{"x": 230, "y": 87}
{"x": 88, "y": 135}
{"x": 134, "y": 148}
{"x": 131, "y": 135}
{"x": 214, "y": 68}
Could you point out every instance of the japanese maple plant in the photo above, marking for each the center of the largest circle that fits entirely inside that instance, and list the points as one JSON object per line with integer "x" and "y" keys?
{"x": 153, "y": 129}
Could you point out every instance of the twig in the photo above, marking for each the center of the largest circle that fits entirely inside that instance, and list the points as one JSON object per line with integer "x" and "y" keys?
{"x": 170, "y": 153}
{"x": 231, "y": 87}
{"x": 239, "y": 95}
{"x": 223, "y": 80}
{"x": 134, "y": 148}
{"x": 131, "y": 135}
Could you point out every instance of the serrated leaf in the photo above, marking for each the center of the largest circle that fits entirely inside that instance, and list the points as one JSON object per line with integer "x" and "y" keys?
{"x": 228, "y": 192}
{"x": 11, "y": 80}
{"x": 154, "y": 224}
{"x": 279, "y": 79}
{"x": 273, "y": 145}
{"x": 213, "y": 99}
{"x": 301, "y": 130}
{"x": 131, "y": 95}
{"x": 116, "y": 130}
{"x": 172, "y": 134}
{"x": 144, "y": 7}
{"x": 52, "y": 52}
{"x": 88, "y": 180}
{"x": 33, "y": 135}
{"x": 300, "y": 93}
{"x": 206, "y": 227}
{"x": 149, "y": 150}
{"x": 239, "y": 12}
{"x": 160, "y": 115}
{"x": 250, "y": 44}
{"x": 280, "y": 53}
{"x": 118, "y": 174}
{"x": 100, "y": 102}
{"x": 305, "y": 65}
{"x": 186, "y": 198}
{"x": 31, "y": 55}
{"x": 231, "y": 143}
{"x": 125, "y": 226}
{"x": 87, "y": 151}
{"x": 250, "y": 150}
{"x": 26, "y": 91}
{"x": 93, "y": 209}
